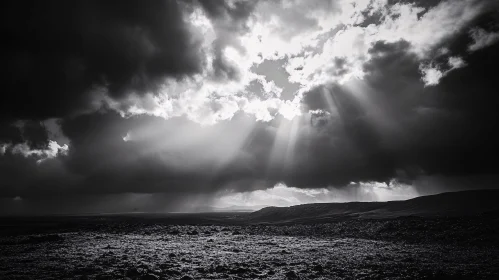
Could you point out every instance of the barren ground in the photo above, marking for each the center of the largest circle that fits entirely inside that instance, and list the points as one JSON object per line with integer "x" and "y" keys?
{"x": 154, "y": 248}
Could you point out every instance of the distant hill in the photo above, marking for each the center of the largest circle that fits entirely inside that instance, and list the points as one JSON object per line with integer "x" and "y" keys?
{"x": 232, "y": 208}
{"x": 462, "y": 203}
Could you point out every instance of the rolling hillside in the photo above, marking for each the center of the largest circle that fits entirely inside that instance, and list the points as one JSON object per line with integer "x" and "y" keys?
{"x": 463, "y": 203}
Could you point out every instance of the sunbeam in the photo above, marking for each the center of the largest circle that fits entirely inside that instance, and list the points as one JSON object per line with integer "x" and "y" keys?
{"x": 281, "y": 158}
{"x": 372, "y": 103}
{"x": 331, "y": 103}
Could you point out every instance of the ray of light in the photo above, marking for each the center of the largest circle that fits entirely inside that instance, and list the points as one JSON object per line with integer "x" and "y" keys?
{"x": 305, "y": 141}
{"x": 282, "y": 154}
{"x": 240, "y": 137}
{"x": 290, "y": 149}
{"x": 188, "y": 147}
{"x": 332, "y": 104}
{"x": 370, "y": 101}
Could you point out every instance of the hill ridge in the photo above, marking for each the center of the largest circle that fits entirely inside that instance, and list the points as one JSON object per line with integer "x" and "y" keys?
{"x": 460, "y": 203}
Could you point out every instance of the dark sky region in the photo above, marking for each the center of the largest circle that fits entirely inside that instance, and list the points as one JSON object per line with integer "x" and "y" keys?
{"x": 112, "y": 106}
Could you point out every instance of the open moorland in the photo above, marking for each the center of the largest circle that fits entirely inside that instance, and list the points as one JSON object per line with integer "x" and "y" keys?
{"x": 424, "y": 238}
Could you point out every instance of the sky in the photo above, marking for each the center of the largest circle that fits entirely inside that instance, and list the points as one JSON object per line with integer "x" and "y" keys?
{"x": 157, "y": 106}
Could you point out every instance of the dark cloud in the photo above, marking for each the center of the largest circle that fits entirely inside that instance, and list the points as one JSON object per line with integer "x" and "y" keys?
{"x": 372, "y": 16}
{"x": 229, "y": 19}
{"x": 388, "y": 125}
{"x": 9, "y": 133}
{"x": 98, "y": 204}
{"x": 56, "y": 53}
{"x": 427, "y": 4}
{"x": 24, "y": 176}
{"x": 175, "y": 157}
{"x": 33, "y": 133}
{"x": 234, "y": 13}
{"x": 59, "y": 56}
{"x": 447, "y": 129}
{"x": 224, "y": 69}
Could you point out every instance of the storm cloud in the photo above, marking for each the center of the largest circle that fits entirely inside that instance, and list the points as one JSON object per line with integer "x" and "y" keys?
{"x": 186, "y": 100}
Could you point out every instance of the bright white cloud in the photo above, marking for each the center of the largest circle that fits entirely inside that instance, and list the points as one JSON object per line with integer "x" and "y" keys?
{"x": 53, "y": 150}
{"x": 456, "y": 62}
{"x": 431, "y": 73}
{"x": 404, "y": 22}
{"x": 3, "y": 148}
{"x": 482, "y": 39}
{"x": 127, "y": 137}
{"x": 347, "y": 51}
{"x": 321, "y": 41}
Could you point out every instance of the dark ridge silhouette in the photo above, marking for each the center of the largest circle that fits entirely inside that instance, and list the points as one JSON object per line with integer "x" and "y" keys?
{"x": 451, "y": 204}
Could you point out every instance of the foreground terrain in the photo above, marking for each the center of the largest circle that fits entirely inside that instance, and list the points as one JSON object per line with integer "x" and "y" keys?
{"x": 250, "y": 246}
